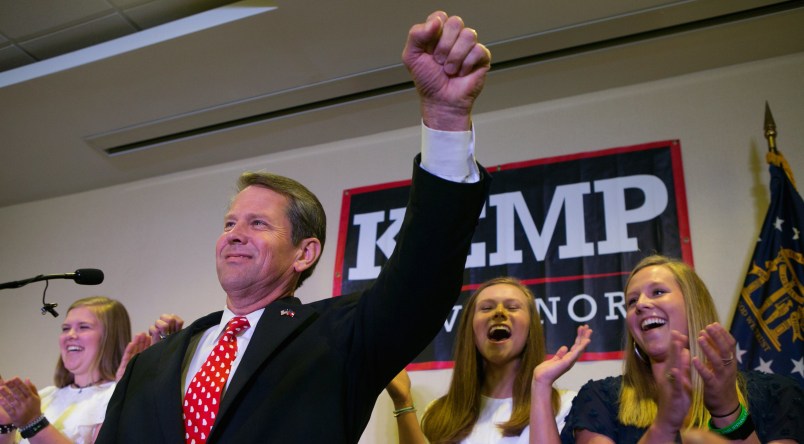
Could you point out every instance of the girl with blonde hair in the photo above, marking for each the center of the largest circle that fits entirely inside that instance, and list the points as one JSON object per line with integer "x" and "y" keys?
{"x": 501, "y": 382}
{"x": 673, "y": 382}
{"x": 95, "y": 345}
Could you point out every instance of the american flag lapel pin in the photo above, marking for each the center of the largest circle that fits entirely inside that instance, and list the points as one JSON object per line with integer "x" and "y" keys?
{"x": 287, "y": 312}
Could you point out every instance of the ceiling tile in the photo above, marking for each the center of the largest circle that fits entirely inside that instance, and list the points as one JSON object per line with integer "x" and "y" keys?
{"x": 80, "y": 36}
{"x": 122, "y": 4}
{"x": 25, "y": 18}
{"x": 156, "y": 13}
{"x": 13, "y": 57}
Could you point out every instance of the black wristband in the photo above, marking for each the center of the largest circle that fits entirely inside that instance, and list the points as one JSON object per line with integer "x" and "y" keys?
{"x": 736, "y": 409}
{"x": 7, "y": 428}
{"x": 34, "y": 427}
{"x": 742, "y": 432}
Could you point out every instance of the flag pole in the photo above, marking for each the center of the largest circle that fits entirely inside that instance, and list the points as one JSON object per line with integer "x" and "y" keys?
{"x": 767, "y": 318}
{"x": 770, "y": 130}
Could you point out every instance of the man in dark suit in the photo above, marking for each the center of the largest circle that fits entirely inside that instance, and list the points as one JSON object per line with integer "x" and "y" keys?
{"x": 311, "y": 373}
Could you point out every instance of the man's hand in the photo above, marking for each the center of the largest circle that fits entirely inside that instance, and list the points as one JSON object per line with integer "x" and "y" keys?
{"x": 449, "y": 69}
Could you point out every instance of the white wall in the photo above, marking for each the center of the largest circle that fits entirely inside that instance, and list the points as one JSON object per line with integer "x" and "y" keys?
{"x": 154, "y": 239}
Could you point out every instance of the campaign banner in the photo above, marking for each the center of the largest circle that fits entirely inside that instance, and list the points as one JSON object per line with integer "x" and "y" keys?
{"x": 570, "y": 227}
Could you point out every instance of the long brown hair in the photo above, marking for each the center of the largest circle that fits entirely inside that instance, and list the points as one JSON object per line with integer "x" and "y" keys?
{"x": 116, "y": 335}
{"x": 639, "y": 392}
{"x": 451, "y": 418}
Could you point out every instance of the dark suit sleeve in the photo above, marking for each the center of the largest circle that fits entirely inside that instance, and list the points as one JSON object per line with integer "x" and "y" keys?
{"x": 418, "y": 286}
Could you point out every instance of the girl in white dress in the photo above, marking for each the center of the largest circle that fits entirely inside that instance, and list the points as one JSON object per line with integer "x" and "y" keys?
{"x": 502, "y": 387}
{"x": 95, "y": 345}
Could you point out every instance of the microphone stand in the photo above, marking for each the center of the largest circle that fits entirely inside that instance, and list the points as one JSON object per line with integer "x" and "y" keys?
{"x": 83, "y": 276}
{"x": 18, "y": 284}
{"x": 46, "y": 307}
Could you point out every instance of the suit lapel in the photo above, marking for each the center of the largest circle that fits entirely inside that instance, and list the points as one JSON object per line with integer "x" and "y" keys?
{"x": 278, "y": 323}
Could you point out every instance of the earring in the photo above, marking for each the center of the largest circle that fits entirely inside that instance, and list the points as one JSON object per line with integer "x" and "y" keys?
{"x": 639, "y": 354}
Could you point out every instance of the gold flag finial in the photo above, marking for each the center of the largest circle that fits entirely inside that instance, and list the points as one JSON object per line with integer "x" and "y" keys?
{"x": 770, "y": 129}
{"x": 774, "y": 157}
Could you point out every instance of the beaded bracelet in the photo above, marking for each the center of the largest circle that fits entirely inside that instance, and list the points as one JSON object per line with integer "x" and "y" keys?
{"x": 398, "y": 412}
{"x": 34, "y": 427}
{"x": 7, "y": 428}
{"x": 740, "y": 429}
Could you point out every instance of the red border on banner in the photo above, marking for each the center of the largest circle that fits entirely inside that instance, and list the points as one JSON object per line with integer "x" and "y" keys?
{"x": 588, "y": 154}
{"x": 681, "y": 203}
{"x": 536, "y": 281}
{"x": 681, "y": 208}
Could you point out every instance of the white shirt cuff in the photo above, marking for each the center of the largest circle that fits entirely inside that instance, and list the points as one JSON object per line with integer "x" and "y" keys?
{"x": 450, "y": 155}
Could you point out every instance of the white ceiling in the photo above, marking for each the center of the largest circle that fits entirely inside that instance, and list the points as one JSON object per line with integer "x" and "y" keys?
{"x": 158, "y": 100}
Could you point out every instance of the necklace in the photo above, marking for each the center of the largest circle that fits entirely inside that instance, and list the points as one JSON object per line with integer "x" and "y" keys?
{"x": 82, "y": 387}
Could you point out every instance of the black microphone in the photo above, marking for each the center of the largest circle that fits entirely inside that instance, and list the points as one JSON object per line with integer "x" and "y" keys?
{"x": 83, "y": 276}
{"x": 86, "y": 276}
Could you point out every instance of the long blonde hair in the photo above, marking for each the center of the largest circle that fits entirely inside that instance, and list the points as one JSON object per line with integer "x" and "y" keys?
{"x": 451, "y": 418}
{"x": 116, "y": 335}
{"x": 639, "y": 392}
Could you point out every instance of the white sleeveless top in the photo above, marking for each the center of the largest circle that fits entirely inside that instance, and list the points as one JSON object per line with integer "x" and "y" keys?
{"x": 494, "y": 411}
